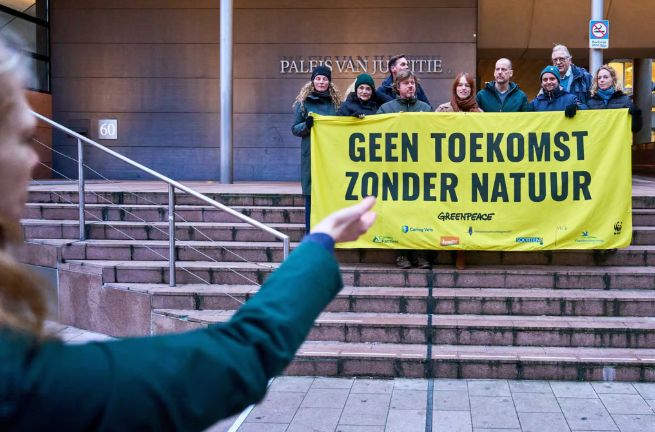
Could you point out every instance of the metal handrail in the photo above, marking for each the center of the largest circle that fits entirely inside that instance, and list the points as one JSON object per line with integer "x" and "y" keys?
{"x": 172, "y": 185}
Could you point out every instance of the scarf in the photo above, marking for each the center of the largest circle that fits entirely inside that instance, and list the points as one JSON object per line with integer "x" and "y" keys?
{"x": 605, "y": 95}
{"x": 324, "y": 95}
{"x": 467, "y": 105}
{"x": 409, "y": 101}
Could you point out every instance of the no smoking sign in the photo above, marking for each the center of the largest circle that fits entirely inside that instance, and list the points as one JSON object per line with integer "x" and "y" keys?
{"x": 599, "y": 34}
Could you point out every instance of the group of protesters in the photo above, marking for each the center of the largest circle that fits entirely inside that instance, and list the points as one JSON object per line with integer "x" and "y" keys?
{"x": 564, "y": 87}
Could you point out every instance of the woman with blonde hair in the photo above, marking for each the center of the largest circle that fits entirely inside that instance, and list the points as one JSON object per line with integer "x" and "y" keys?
{"x": 607, "y": 93}
{"x": 318, "y": 96}
{"x": 183, "y": 382}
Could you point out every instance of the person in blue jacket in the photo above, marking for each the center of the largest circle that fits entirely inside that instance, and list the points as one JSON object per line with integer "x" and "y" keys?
{"x": 573, "y": 79}
{"x": 397, "y": 64}
{"x": 182, "y": 382}
{"x": 553, "y": 97}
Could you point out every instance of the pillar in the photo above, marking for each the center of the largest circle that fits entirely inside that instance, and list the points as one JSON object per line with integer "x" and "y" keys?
{"x": 226, "y": 91}
{"x": 642, "y": 87}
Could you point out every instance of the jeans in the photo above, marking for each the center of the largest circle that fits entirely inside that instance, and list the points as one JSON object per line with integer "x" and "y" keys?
{"x": 308, "y": 211}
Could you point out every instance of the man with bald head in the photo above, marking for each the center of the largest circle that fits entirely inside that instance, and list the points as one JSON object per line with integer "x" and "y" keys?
{"x": 502, "y": 95}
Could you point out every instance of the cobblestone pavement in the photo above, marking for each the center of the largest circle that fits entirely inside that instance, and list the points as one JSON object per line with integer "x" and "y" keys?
{"x": 308, "y": 404}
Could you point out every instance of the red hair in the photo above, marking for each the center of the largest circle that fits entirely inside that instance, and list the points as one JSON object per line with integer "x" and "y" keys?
{"x": 469, "y": 104}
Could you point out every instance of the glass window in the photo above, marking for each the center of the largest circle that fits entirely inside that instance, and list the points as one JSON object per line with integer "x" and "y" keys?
{"x": 628, "y": 75}
{"x": 37, "y": 9}
{"x": 27, "y": 27}
{"x": 33, "y": 36}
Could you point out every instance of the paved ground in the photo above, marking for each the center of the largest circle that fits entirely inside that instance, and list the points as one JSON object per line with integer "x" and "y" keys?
{"x": 307, "y": 404}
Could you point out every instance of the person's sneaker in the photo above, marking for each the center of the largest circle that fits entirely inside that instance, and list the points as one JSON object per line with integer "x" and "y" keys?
{"x": 403, "y": 263}
{"x": 422, "y": 263}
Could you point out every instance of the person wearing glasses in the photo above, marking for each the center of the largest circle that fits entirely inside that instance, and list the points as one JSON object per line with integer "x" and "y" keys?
{"x": 573, "y": 79}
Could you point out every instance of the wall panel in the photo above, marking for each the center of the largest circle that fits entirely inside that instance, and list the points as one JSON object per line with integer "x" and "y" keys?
{"x": 154, "y": 66}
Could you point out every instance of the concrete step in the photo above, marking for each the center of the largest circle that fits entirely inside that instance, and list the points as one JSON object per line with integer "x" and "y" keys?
{"x": 204, "y": 213}
{"x": 643, "y": 217}
{"x": 153, "y": 213}
{"x": 241, "y": 199}
{"x": 372, "y": 275}
{"x": 155, "y": 250}
{"x": 118, "y": 230}
{"x": 448, "y": 301}
{"x": 473, "y": 362}
{"x": 494, "y": 330}
{"x": 161, "y": 198}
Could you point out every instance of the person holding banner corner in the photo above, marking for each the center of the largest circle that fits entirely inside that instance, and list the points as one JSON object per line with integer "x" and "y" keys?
{"x": 321, "y": 96}
{"x": 607, "y": 93}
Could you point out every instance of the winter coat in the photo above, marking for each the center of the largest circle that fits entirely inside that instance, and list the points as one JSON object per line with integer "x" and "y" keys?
{"x": 447, "y": 107}
{"x": 404, "y": 105}
{"x": 181, "y": 382}
{"x": 617, "y": 100}
{"x": 580, "y": 84}
{"x": 387, "y": 88}
{"x": 317, "y": 105}
{"x": 557, "y": 101}
{"x": 353, "y": 105}
{"x": 515, "y": 100}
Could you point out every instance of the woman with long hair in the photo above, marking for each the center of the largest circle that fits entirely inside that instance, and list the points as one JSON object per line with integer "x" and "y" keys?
{"x": 183, "y": 382}
{"x": 318, "y": 96}
{"x": 462, "y": 97}
{"x": 607, "y": 93}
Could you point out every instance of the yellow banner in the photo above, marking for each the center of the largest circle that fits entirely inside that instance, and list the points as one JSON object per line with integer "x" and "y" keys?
{"x": 485, "y": 181}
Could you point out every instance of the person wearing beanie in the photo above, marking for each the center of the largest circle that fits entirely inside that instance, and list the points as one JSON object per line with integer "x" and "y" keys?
{"x": 553, "y": 97}
{"x": 318, "y": 96}
{"x": 364, "y": 100}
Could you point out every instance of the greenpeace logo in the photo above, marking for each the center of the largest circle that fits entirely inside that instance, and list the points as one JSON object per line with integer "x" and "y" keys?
{"x": 449, "y": 241}
{"x": 539, "y": 240}
{"x": 466, "y": 216}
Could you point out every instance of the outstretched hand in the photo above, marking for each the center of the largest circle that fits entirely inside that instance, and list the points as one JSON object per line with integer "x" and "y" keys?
{"x": 350, "y": 223}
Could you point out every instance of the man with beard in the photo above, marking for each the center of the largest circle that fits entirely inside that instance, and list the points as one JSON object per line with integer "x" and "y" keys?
{"x": 502, "y": 95}
{"x": 406, "y": 98}
{"x": 397, "y": 64}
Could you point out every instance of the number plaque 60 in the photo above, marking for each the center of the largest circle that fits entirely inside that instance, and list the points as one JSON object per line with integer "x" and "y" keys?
{"x": 108, "y": 129}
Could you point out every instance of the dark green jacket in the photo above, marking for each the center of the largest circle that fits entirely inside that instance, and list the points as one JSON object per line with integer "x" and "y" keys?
{"x": 515, "y": 101}
{"x": 405, "y": 105}
{"x": 183, "y": 382}
{"x": 317, "y": 105}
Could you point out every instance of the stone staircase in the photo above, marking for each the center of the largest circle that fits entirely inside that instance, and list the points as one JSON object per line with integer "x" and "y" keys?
{"x": 567, "y": 315}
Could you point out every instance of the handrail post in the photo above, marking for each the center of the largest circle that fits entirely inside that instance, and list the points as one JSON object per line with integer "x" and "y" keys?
{"x": 171, "y": 234}
{"x": 80, "y": 188}
{"x": 286, "y": 248}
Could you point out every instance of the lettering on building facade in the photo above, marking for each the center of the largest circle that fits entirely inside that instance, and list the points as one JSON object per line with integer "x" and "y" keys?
{"x": 357, "y": 64}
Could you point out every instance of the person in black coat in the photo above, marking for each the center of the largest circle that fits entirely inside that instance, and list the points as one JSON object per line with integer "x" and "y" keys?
{"x": 365, "y": 100}
{"x": 607, "y": 93}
